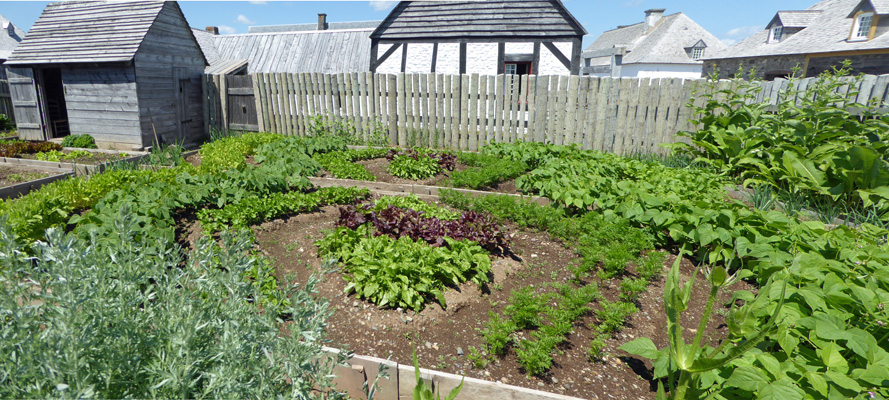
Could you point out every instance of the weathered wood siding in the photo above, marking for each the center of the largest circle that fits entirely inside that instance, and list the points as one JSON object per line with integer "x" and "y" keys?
{"x": 168, "y": 68}
{"x": 102, "y": 102}
{"x": 23, "y": 92}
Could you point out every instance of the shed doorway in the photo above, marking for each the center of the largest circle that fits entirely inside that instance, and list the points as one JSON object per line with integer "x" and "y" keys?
{"x": 53, "y": 93}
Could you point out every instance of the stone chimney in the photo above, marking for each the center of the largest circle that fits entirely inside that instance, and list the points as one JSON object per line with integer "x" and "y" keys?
{"x": 212, "y": 29}
{"x": 322, "y": 22}
{"x": 654, "y": 15}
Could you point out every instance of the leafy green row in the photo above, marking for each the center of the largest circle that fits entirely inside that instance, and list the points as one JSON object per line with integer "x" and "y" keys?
{"x": 422, "y": 167}
{"x": 839, "y": 277}
{"x": 487, "y": 171}
{"x": 401, "y": 272}
{"x": 340, "y": 165}
{"x": 230, "y": 152}
{"x": 255, "y": 209}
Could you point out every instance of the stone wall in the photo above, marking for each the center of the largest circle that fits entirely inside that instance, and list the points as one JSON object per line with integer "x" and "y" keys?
{"x": 762, "y": 66}
{"x": 777, "y": 66}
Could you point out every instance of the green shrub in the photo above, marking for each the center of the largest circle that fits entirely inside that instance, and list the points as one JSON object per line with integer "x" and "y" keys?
{"x": 79, "y": 141}
{"x": 6, "y": 123}
{"x": 122, "y": 318}
{"x": 422, "y": 167}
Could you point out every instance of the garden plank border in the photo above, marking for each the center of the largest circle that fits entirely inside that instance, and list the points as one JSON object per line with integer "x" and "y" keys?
{"x": 402, "y": 378}
{"x": 24, "y": 188}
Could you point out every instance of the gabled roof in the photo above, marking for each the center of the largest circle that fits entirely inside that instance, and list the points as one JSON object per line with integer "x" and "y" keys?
{"x": 88, "y": 31}
{"x": 665, "y": 43}
{"x": 329, "y": 51}
{"x": 9, "y": 42}
{"x": 453, "y": 20}
{"x": 796, "y": 19}
{"x": 828, "y": 32}
{"x": 880, "y": 6}
{"x": 314, "y": 27}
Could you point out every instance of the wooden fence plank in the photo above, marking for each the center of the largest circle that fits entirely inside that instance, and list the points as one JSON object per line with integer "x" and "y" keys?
{"x": 464, "y": 112}
{"x": 447, "y": 100}
{"x": 601, "y": 113}
{"x": 456, "y": 83}
{"x": 401, "y": 115}
{"x": 491, "y": 102}
{"x": 571, "y": 109}
{"x": 592, "y": 96}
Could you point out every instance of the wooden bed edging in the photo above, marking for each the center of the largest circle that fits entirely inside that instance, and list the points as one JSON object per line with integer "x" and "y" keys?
{"x": 24, "y": 188}
{"x": 402, "y": 379}
{"x": 78, "y": 168}
{"x": 420, "y": 190}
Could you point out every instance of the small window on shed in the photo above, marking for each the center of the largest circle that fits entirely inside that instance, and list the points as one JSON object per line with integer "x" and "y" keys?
{"x": 697, "y": 53}
{"x": 861, "y": 27}
{"x": 776, "y": 33}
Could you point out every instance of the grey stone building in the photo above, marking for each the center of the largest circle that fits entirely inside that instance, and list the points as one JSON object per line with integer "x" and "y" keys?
{"x": 662, "y": 46}
{"x": 813, "y": 40}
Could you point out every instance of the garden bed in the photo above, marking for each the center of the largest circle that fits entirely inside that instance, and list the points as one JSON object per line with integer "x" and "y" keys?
{"x": 443, "y": 337}
{"x": 78, "y": 160}
{"x": 19, "y": 180}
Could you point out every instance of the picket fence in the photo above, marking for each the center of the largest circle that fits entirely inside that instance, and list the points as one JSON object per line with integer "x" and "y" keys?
{"x": 618, "y": 115}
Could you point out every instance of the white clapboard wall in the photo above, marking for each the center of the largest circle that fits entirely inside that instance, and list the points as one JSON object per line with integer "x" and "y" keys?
{"x": 618, "y": 115}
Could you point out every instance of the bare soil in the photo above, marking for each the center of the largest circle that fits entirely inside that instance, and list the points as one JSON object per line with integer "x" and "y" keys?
{"x": 440, "y": 335}
{"x": 10, "y": 175}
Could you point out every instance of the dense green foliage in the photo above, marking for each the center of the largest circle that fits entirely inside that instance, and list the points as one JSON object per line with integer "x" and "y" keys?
{"x": 255, "y": 209}
{"x": 341, "y": 165}
{"x": 12, "y": 148}
{"x": 6, "y": 123}
{"x": 79, "y": 141}
{"x": 486, "y": 171}
{"x": 812, "y": 145}
{"x": 403, "y": 272}
{"x": 419, "y": 168}
{"x": 56, "y": 156}
{"x": 229, "y": 152}
{"x": 830, "y": 336}
{"x": 91, "y": 315}
{"x": 413, "y": 202}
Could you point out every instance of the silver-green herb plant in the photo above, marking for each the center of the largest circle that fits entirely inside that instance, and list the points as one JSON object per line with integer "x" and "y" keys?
{"x": 83, "y": 317}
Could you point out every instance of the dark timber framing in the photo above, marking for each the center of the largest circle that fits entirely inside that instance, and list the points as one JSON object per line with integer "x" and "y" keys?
{"x": 491, "y": 21}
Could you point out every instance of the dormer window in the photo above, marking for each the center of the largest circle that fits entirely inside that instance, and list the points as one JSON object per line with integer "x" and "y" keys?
{"x": 862, "y": 27}
{"x": 776, "y": 33}
{"x": 697, "y": 53}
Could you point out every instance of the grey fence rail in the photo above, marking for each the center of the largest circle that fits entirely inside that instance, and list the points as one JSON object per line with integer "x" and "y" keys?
{"x": 618, "y": 115}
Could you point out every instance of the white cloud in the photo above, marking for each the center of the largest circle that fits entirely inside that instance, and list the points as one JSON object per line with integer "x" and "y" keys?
{"x": 632, "y": 3}
{"x": 729, "y": 42}
{"x": 244, "y": 20}
{"x": 227, "y": 30}
{"x": 380, "y": 5}
{"x": 257, "y": 2}
{"x": 744, "y": 31}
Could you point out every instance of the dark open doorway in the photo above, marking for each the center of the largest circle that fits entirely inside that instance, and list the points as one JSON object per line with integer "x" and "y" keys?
{"x": 519, "y": 68}
{"x": 54, "y": 102}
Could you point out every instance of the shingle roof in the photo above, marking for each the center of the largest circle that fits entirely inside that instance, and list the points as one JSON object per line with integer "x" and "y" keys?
{"x": 829, "y": 32}
{"x": 880, "y": 6}
{"x": 9, "y": 42}
{"x": 797, "y": 19}
{"x": 413, "y": 20}
{"x": 314, "y": 27}
{"x": 329, "y": 51}
{"x": 663, "y": 44}
{"x": 87, "y": 31}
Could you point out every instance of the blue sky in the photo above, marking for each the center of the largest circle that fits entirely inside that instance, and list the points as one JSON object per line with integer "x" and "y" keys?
{"x": 730, "y": 20}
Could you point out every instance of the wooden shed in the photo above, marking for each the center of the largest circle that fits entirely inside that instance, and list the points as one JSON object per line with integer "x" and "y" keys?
{"x": 127, "y": 73}
{"x": 489, "y": 36}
